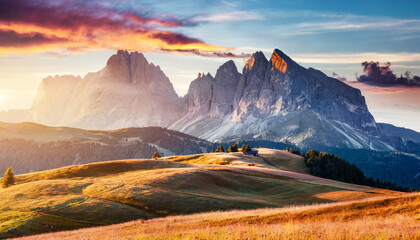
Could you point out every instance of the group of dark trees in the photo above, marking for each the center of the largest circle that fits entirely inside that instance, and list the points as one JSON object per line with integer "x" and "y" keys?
{"x": 232, "y": 148}
{"x": 246, "y": 148}
{"x": 333, "y": 167}
{"x": 294, "y": 151}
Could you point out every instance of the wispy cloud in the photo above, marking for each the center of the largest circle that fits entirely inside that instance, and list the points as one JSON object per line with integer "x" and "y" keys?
{"x": 229, "y": 17}
{"x": 304, "y": 22}
{"x": 210, "y": 54}
{"x": 341, "y": 58}
{"x": 346, "y": 25}
{"x": 231, "y": 3}
{"x": 366, "y": 88}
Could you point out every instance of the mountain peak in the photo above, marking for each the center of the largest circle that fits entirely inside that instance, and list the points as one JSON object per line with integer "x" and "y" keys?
{"x": 277, "y": 62}
{"x": 228, "y": 67}
{"x": 283, "y": 63}
{"x": 255, "y": 58}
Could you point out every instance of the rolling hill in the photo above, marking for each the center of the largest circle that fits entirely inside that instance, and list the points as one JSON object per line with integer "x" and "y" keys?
{"x": 29, "y": 147}
{"x": 118, "y": 191}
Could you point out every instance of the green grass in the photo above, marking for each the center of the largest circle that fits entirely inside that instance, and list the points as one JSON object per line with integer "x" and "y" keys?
{"x": 119, "y": 191}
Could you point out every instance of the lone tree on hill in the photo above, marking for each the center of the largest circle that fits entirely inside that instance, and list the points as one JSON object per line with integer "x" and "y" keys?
{"x": 9, "y": 178}
{"x": 156, "y": 155}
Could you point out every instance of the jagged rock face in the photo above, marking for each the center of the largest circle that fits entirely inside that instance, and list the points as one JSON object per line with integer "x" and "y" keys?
{"x": 272, "y": 100}
{"x": 128, "y": 92}
{"x": 200, "y": 95}
{"x": 280, "y": 86}
{"x": 214, "y": 96}
{"x": 224, "y": 88}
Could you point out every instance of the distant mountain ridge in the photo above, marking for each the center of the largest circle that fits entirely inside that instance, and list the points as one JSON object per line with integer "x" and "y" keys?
{"x": 127, "y": 92}
{"x": 275, "y": 99}
{"x": 32, "y": 147}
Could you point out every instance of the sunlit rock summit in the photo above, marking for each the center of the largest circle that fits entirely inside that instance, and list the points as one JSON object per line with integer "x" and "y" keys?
{"x": 278, "y": 100}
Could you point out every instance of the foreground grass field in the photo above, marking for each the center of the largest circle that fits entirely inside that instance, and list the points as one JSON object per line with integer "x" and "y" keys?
{"x": 119, "y": 191}
{"x": 380, "y": 218}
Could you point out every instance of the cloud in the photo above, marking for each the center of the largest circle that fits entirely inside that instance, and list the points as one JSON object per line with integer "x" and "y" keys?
{"x": 231, "y": 4}
{"x": 382, "y": 75}
{"x": 48, "y": 26}
{"x": 304, "y": 22}
{"x": 382, "y": 91}
{"x": 335, "y": 75}
{"x": 344, "y": 58}
{"x": 10, "y": 38}
{"x": 175, "y": 38}
{"x": 229, "y": 17}
{"x": 210, "y": 54}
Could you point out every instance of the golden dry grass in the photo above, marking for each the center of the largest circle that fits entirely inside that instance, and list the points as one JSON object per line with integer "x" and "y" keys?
{"x": 119, "y": 191}
{"x": 380, "y": 218}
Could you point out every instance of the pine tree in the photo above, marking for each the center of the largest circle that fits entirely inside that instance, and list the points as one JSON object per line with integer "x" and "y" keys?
{"x": 221, "y": 148}
{"x": 230, "y": 149}
{"x": 235, "y": 147}
{"x": 156, "y": 155}
{"x": 9, "y": 178}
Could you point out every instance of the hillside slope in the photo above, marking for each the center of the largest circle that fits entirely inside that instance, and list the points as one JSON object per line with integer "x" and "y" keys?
{"x": 29, "y": 147}
{"x": 88, "y": 195}
{"x": 380, "y": 218}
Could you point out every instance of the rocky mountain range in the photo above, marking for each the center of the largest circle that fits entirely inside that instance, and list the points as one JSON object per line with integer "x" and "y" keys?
{"x": 272, "y": 99}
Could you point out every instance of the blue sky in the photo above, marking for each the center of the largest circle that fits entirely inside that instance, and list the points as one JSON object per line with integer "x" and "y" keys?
{"x": 333, "y": 36}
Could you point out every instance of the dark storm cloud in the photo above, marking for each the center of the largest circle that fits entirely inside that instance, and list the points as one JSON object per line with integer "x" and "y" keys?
{"x": 13, "y": 39}
{"x": 382, "y": 75}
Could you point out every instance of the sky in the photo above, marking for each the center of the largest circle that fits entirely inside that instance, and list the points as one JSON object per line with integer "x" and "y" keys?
{"x": 49, "y": 37}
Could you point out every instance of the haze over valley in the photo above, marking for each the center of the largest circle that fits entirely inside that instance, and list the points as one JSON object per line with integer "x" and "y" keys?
{"x": 209, "y": 119}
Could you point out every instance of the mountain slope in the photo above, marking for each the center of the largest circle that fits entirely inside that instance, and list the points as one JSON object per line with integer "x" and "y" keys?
{"x": 85, "y": 195}
{"x": 29, "y": 147}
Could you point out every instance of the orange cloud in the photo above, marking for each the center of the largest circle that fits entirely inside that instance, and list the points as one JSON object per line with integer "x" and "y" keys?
{"x": 44, "y": 26}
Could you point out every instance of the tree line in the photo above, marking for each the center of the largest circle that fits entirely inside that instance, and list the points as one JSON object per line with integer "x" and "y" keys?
{"x": 327, "y": 165}
{"x": 232, "y": 148}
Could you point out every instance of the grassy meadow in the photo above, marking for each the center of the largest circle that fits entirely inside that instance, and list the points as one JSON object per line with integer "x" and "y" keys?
{"x": 112, "y": 192}
{"x": 378, "y": 218}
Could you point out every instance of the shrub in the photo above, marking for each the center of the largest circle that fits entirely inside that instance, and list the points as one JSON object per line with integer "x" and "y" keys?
{"x": 9, "y": 178}
{"x": 156, "y": 155}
